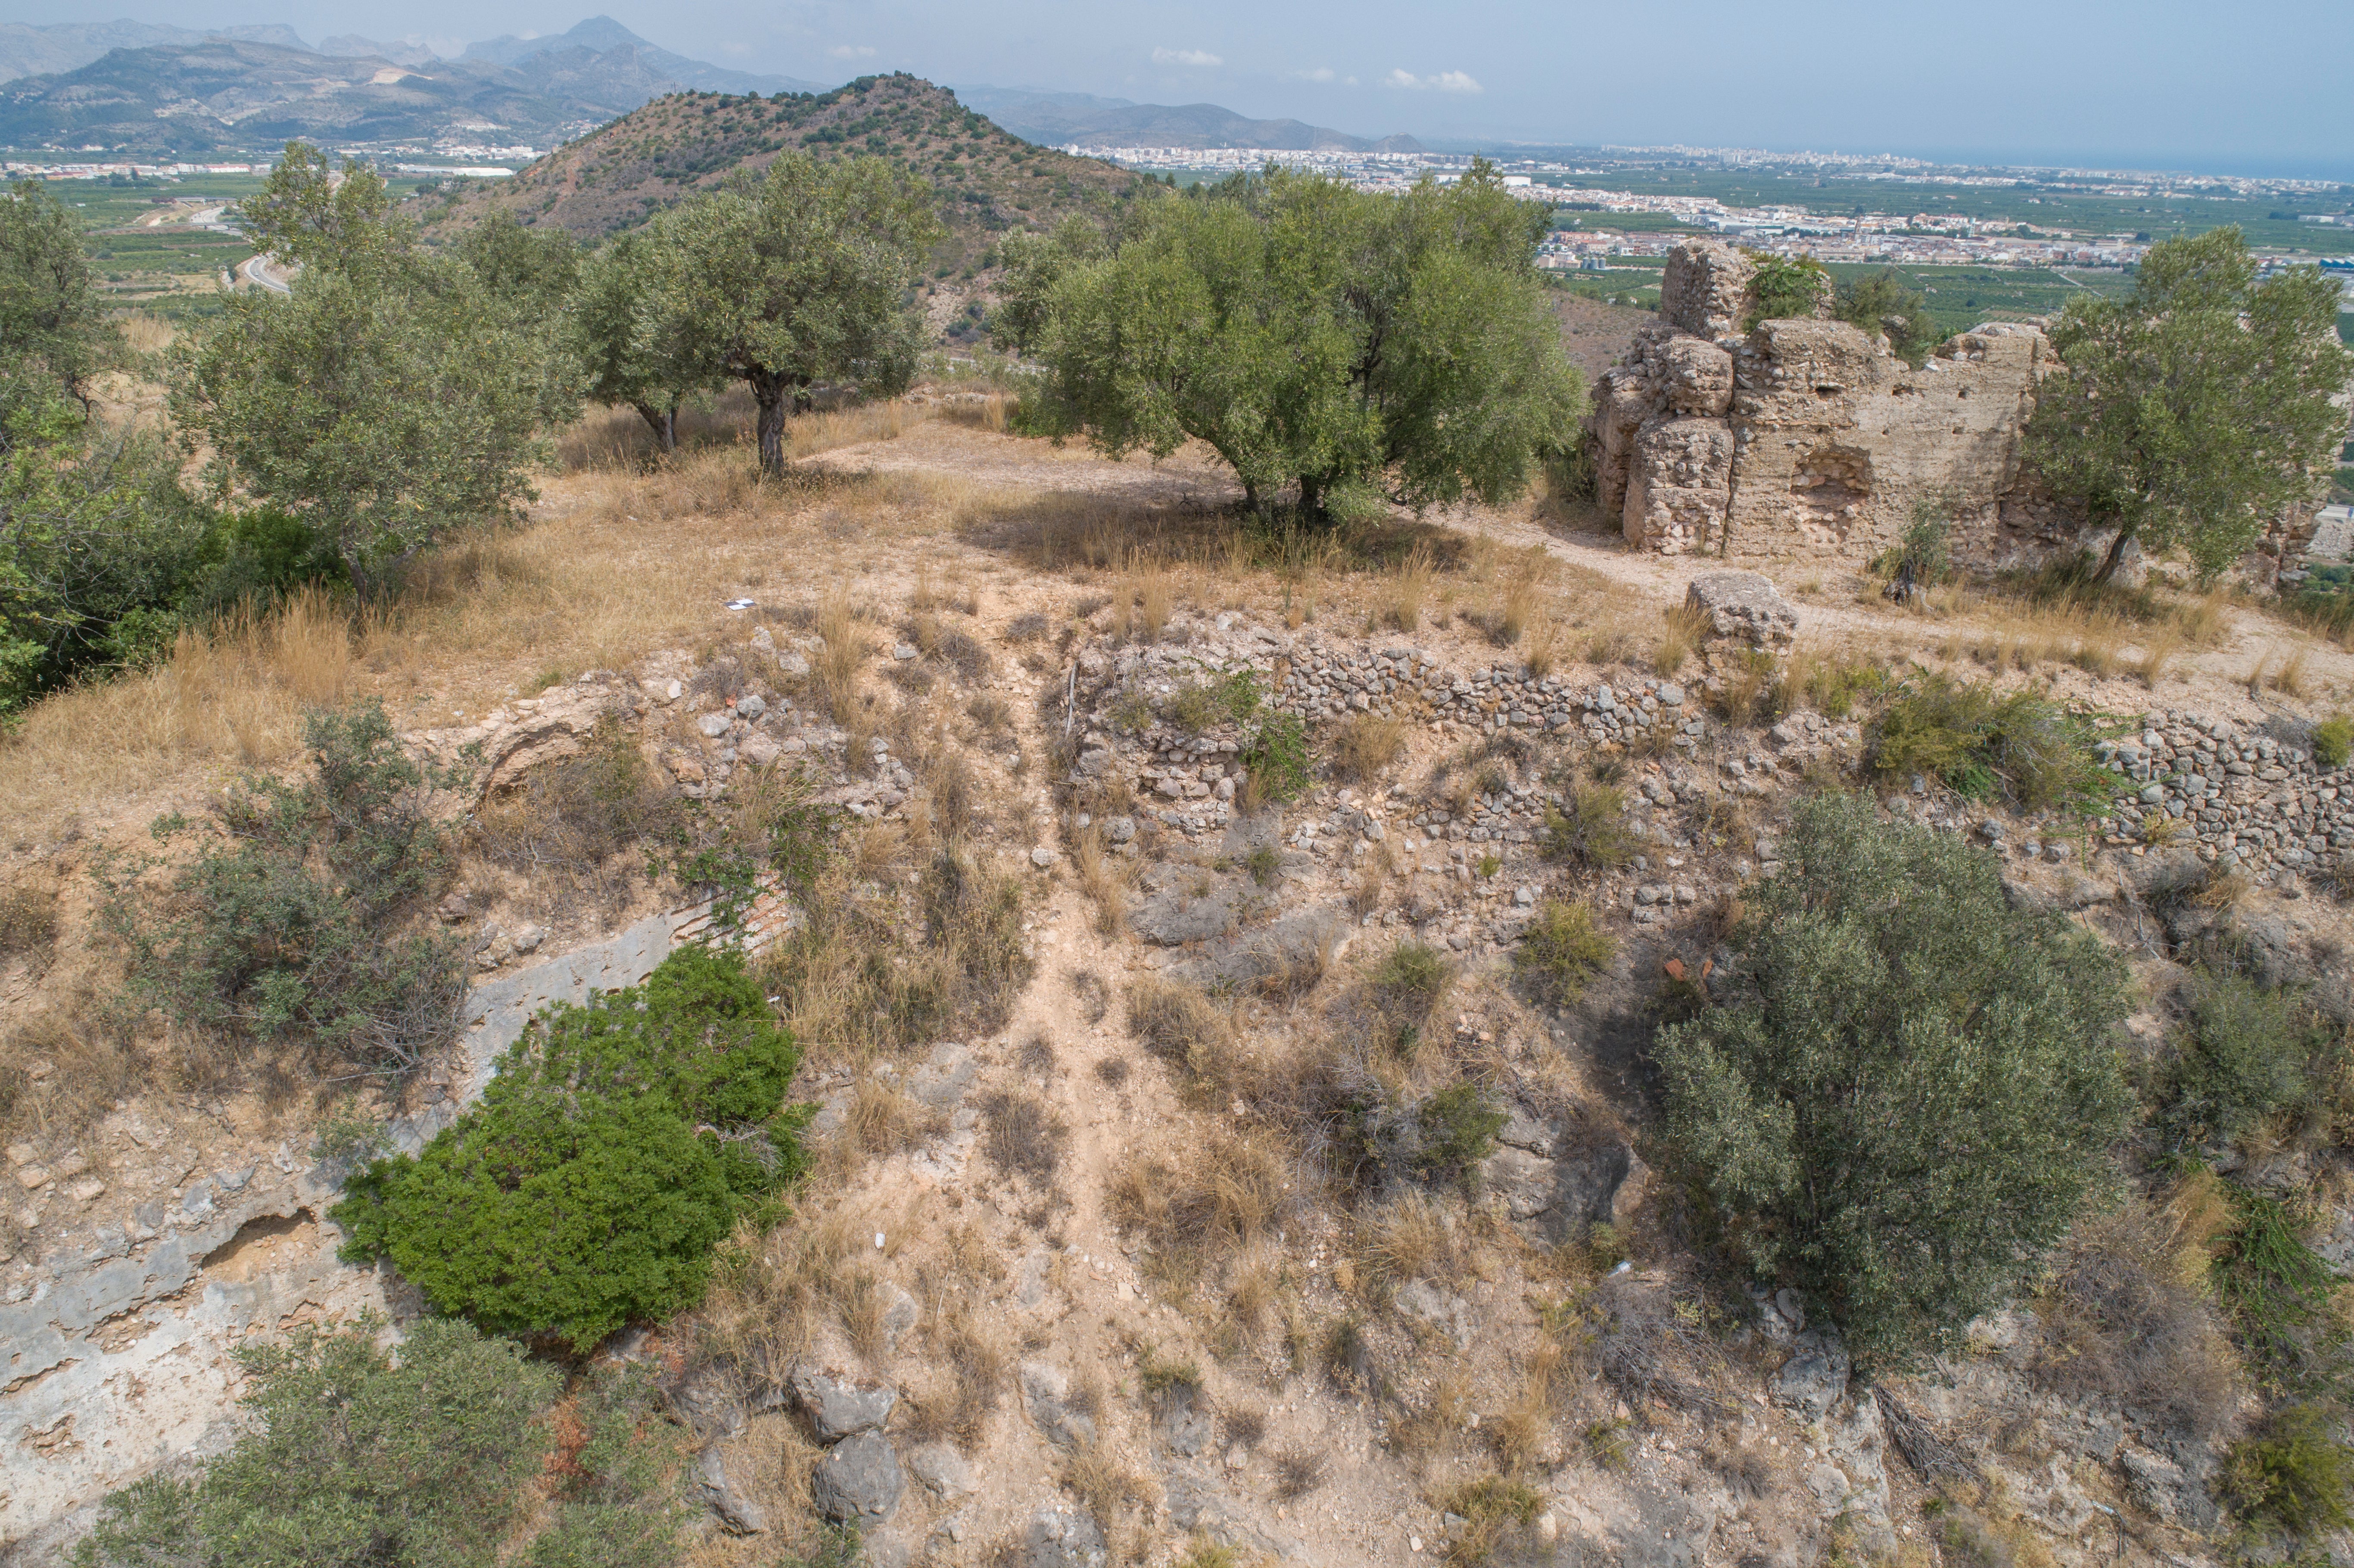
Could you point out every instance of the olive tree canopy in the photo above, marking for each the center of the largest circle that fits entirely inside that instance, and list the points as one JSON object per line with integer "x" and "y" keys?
{"x": 1334, "y": 344}
{"x": 2199, "y": 406}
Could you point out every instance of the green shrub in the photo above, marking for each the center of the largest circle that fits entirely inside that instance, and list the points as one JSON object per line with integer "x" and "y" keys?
{"x": 1276, "y": 758}
{"x": 1264, "y": 863}
{"x": 425, "y": 1457}
{"x": 1785, "y": 287}
{"x": 2333, "y": 740}
{"x": 1384, "y": 1140}
{"x": 2296, "y": 1479}
{"x": 2280, "y": 1297}
{"x": 1413, "y": 977}
{"x": 298, "y": 924}
{"x": 1560, "y": 949}
{"x": 1912, "y": 1088}
{"x": 1590, "y": 830}
{"x": 2246, "y": 1053}
{"x": 1882, "y": 303}
{"x": 617, "y": 1144}
{"x": 2023, "y": 747}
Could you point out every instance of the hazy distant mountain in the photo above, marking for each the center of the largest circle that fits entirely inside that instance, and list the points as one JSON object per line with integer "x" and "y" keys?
{"x": 194, "y": 93}
{"x": 27, "y": 50}
{"x": 1060, "y": 118}
{"x": 602, "y": 35}
{"x": 399, "y": 53}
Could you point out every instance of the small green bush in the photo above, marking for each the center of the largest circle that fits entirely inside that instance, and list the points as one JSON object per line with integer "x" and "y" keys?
{"x": 615, "y": 1146}
{"x": 1413, "y": 977}
{"x": 298, "y": 923}
{"x": 2280, "y": 1297}
{"x": 2246, "y": 1053}
{"x": 1195, "y": 707}
{"x": 1560, "y": 949}
{"x": 1276, "y": 757}
{"x": 2023, "y": 747}
{"x": 1785, "y": 287}
{"x": 1264, "y": 863}
{"x": 423, "y": 1457}
{"x": 2297, "y": 1479}
{"x": 2333, "y": 741}
{"x": 1388, "y": 1140}
{"x": 1912, "y": 1086}
{"x": 1590, "y": 832}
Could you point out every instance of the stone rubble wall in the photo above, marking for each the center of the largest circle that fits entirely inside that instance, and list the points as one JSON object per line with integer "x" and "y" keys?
{"x": 2247, "y": 801}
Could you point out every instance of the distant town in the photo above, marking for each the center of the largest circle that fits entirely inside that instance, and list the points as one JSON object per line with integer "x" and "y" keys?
{"x": 1898, "y": 235}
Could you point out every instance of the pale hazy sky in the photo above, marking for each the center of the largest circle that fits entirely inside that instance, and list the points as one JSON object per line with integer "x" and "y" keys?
{"x": 2263, "y": 86}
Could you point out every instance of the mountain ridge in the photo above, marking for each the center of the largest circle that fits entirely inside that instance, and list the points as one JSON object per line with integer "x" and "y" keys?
{"x": 1053, "y": 119}
{"x": 200, "y": 94}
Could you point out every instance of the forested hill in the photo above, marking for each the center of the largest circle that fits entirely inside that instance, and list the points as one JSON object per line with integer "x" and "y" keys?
{"x": 988, "y": 180}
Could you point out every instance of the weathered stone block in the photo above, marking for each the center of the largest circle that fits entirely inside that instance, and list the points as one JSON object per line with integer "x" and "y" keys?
{"x": 1743, "y": 606}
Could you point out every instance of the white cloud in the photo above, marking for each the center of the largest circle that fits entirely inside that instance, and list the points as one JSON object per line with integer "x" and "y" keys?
{"x": 851, "y": 52}
{"x": 1184, "y": 57}
{"x": 1321, "y": 73}
{"x": 1445, "y": 81}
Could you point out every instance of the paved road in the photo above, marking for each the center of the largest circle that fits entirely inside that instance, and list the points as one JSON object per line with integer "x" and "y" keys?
{"x": 258, "y": 271}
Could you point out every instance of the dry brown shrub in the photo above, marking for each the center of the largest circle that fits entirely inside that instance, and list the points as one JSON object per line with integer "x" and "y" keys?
{"x": 1182, "y": 1027}
{"x": 1365, "y": 746}
{"x": 1193, "y": 1214}
{"x": 1024, "y": 1137}
{"x": 2119, "y": 1321}
{"x": 28, "y": 918}
{"x": 562, "y": 828}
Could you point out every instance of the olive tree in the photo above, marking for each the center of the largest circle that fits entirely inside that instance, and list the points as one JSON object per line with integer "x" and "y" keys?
{"x": 2198, "y": 406}
{"x": 1912, "y": 1086}
{"x": 1327, "y": 342}
{"x": 391, "y": 396}
{"x": 800, "y": 277}
{"x": 52, "y": 328}
{"x": 633, "y": 344}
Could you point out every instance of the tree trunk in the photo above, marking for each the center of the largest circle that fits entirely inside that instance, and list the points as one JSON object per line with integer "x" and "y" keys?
{"x": 770, "y": 393}
{"x": 662, "y": 422}
{"x": 1311, "y": 499}
{"x": 2117, "y": 553}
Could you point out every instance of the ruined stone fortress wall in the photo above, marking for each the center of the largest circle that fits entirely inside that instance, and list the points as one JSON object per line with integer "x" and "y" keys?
{"x": 1807, "y": 437}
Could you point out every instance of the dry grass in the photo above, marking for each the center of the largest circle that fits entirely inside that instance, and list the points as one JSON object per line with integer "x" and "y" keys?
{"x": 1408, "y": 587}
{"x": 61, "y": 1068}
{"x": 1365, "y": 746}
{"x": 1182, "y": 1027}
{"x": 1219, "y": 1202}
{"x": 232, "y": 694}
{"x": 1680, "y": 630}
{"x": 1113, "y": 1493}
{"x": 1405, "y": 1241}
{"x": 770, "y": 1293}
{"x": 1103, "y": 877}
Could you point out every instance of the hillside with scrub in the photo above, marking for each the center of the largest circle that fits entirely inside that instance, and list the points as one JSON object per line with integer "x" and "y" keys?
{"x": 653, "y": 919}
{"x": 986, "y": 182}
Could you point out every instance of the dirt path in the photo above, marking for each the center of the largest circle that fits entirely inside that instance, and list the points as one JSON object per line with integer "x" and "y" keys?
{"x": 1829, "y": 595}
